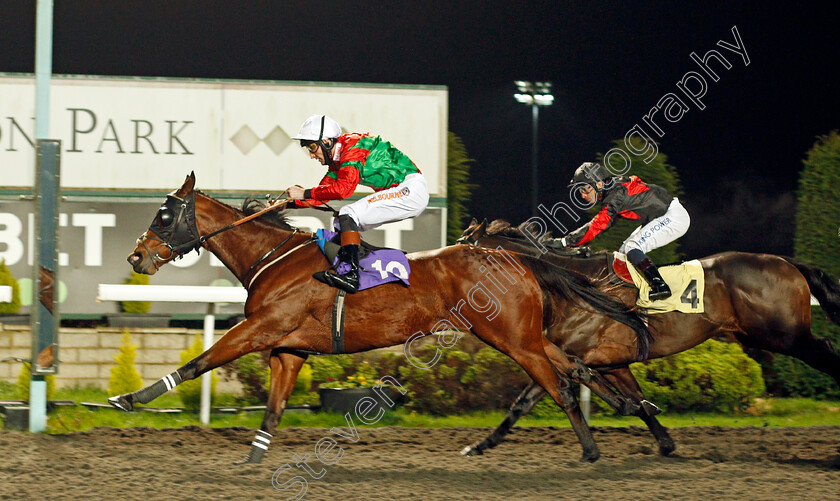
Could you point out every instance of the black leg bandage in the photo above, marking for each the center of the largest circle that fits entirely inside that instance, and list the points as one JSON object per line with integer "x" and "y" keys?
{"x": 149, "y": 393}
{"x": 259, "y": 447}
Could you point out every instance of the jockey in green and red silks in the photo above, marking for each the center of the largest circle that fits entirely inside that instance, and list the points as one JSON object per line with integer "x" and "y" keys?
{"x": 400, "y": 190}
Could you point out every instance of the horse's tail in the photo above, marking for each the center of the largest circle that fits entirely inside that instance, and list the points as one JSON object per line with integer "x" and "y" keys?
{"x": 582, "y": 291}
{"x": 823, "y": 287}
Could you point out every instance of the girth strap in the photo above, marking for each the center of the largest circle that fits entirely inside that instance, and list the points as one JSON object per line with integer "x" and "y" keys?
{"x": 338, "y": 323}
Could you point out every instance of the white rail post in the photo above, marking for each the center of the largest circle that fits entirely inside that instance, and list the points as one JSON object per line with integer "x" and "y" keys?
{"x": 206, "y": 378}
{"x": 585, "y": 399}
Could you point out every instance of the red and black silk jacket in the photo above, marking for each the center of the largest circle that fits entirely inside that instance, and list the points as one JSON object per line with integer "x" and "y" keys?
{"x": 629, "y": 198}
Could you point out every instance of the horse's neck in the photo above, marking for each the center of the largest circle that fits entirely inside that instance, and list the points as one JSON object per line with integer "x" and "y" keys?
{"x": 240, "y": 247}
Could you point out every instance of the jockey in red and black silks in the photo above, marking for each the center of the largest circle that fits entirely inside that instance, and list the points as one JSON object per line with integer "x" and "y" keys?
{"x": 662, "y": 218}
{"x": 400, "y": 190}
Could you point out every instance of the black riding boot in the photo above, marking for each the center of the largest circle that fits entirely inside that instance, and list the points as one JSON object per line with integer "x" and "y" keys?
{"x": 348, "y": 282}
{"x": 658, "y": 288}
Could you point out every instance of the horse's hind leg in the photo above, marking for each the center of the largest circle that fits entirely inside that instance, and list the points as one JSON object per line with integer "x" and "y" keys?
{"x": 816, "y": 352}
{"x": 284, "y": 372}
{"x": 626, "y": 383}
{"x": 526, "y": 401}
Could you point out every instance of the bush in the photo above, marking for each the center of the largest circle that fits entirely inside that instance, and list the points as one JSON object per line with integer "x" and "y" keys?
{"x": 6, "y": 278}
{"x": 124, "y": 375}
{"x": 459, "y": 382}
{"x": 494, "y": 380}
{"x": 136, "y": 306}
{"x": 23, "y": 384}
{"x": 437, "y": 390}
{"x": 326, "y": 369}
{"x": 714, "y": 376}
{"x": 190, "y": 391}
{"x": 252, "y": 372}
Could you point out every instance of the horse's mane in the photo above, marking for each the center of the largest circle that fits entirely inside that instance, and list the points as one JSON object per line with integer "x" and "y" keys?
{"x": 503, "y": 228}
{"x": 252, "y": 205}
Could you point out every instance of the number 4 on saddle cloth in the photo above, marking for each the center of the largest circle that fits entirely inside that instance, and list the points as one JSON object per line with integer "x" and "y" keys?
{"x": 685, "y": 280}
{"x": 377, "y": 265}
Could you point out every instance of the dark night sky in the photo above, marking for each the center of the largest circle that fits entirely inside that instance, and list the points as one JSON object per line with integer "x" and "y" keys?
{"x": 739, "y": 159}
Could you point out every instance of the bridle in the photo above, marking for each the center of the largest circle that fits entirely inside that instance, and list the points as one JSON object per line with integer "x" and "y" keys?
{"x": 176, "y": 229}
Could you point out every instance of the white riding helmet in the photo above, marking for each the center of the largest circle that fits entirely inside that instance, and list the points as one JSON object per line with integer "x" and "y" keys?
{"x": 318, "y": 127}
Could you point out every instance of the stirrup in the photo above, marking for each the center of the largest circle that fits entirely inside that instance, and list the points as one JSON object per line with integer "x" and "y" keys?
{"x": 659, "y": 292}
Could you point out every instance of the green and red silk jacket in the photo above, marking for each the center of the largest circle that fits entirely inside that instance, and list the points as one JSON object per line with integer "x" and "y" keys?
{"x": 361, "y": 159}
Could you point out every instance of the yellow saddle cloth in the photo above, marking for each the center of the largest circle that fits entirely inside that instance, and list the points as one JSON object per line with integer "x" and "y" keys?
{"x": 686, "y": 283}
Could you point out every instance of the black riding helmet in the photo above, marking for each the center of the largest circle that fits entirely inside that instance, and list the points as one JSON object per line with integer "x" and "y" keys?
{"x": 590, "y": 173}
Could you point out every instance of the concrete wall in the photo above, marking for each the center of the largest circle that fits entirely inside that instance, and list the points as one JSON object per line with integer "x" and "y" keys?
{"x": 87, "y": 355}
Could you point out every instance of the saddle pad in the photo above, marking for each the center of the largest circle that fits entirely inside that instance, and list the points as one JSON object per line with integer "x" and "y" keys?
{"x": 379, "y": 267}
{"x": 687, "y": 285}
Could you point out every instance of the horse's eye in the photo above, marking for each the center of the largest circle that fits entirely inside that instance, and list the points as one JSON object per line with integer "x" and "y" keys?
{"x": 164, "y": 216}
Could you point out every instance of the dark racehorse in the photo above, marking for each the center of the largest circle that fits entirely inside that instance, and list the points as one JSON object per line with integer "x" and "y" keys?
{"x": 290, "y": 313}
{"x": 761, "y": 300}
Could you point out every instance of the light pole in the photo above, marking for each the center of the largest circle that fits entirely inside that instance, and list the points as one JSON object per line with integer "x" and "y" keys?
{"x": 534, "y": 94}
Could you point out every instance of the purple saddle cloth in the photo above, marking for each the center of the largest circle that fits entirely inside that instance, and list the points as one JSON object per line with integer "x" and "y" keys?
{"x": 379, "y": 267}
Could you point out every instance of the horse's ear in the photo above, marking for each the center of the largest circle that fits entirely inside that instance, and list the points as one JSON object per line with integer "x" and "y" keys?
{"x": 481, "y": 230}
{"x": 474, "y": 222}
{"x": 188, "y": 186}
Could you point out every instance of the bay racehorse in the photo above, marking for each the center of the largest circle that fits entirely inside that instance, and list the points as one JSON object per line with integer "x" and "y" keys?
{"x": 290, "y": 314}
{"x": 761, "y": 300}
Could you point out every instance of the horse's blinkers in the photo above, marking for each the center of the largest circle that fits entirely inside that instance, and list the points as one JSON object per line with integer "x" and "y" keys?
{"x": 174, "y": 224}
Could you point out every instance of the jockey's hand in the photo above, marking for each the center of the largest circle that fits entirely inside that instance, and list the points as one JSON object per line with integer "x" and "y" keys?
{"x": 556, "y": 243}
{"x": 295, "y": 192}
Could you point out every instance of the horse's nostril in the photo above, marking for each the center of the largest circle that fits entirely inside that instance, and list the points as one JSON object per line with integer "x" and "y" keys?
{"x": 134, "y": 258}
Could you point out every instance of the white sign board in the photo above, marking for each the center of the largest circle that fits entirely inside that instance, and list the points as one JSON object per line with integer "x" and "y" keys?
{"x": 136, "y": 134}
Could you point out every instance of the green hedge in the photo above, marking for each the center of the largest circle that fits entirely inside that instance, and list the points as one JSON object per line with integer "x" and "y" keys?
{"x": 714, "y": 376}
{"x": 711, "y": 377}
{"x": 816, "y": 243}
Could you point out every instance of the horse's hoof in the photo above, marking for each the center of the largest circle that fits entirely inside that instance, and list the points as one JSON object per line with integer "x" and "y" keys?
{"x": 630, "y": 408}
{"x": 665, "y": 449}
{"x": 590, "y": 457}
{"x": 121, "y": 403}
{"x": 471, "y": 450}
{"x": 650, "y": 408}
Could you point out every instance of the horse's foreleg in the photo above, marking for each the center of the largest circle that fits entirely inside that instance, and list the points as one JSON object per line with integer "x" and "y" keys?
{"x": 284, "y": 372}
{"x": 541, "y": 370}
{"x": 526, "y": 401}
{"x": 577, "y": 371}
{"x": 236, "y": 342}
{"x": 626, "y": 383}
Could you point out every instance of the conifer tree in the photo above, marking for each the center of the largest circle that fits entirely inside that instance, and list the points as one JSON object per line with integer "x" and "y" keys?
{"x": 124, "y": 375}
{"x": 458, "y": 188}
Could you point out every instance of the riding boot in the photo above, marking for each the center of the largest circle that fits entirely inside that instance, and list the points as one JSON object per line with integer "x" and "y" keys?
{"x": 658, "y": 288}
{"x": 348, "y": 253}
